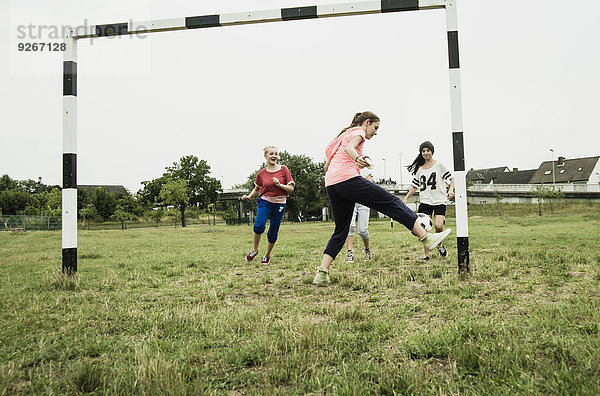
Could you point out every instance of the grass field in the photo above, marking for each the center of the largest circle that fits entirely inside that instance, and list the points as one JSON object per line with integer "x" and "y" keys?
{"x": 179, "y": 311}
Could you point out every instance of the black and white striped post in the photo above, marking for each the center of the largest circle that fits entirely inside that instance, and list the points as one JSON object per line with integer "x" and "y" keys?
{"x": 462, "y": 221}
{"x": 69, "y": 182}
{"x": 243, "y": 18}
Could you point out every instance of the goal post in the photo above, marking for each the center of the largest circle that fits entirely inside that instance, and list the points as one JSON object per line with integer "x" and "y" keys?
{"x": 69, "y": 182}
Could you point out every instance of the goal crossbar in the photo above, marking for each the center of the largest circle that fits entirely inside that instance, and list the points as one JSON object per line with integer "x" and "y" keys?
{"x": 254, "y": 17}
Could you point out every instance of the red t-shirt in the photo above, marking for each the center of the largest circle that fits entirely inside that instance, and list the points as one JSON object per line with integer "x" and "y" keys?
{"x": 264, "y": 180}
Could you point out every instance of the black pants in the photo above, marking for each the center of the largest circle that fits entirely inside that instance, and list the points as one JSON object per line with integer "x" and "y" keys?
{"x": 342, "y": 197}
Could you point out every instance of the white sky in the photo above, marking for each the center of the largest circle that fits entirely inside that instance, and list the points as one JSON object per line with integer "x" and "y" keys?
{"x": 529, "y": 70}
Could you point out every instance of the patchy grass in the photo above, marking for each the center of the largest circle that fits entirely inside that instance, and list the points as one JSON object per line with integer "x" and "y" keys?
{"x": 179, "y": 311}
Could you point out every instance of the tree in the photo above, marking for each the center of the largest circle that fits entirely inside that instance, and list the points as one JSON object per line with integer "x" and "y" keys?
{"x": 555, "y": 193}
{"x": 6, "y": 183}
{"x": 202, "y": 188}
{"x": 104, "y": 201}
{"x": 498, "y": 199}
{"x": 54, "y": 204}
{"x": 156, "y": 215}
{"x": 126, "y": 201}
{"x": 539, "y": 191}
{"x": 88, "y": 213}
{"x": 31, "y": 186}
{"x": 13, "y": 202}
{"x": 122, "y": 216}
{"x": 542, "y": 192}
{"x": 148, "y": 196}
{"x": 176, "y": 193}
{"x": 40, "y": 202}
{"x": 309, "y": 196}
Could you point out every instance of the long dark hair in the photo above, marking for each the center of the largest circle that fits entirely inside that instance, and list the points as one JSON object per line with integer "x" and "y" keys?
{"x": 417, "y": 163}
{"x": 359, "y": 118}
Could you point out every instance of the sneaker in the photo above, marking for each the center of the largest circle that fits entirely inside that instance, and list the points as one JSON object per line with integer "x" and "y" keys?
{"x": 368, "y": 255}
{"x": 432, "y": 240}
{"x": 265, "y": 260}
{"x": 443, "y": 251}
{"x": 251, "y": 255}
{"x": 350, "y": 258}
{"x": 424, "y": 258}
{"x": 321, "y": 278}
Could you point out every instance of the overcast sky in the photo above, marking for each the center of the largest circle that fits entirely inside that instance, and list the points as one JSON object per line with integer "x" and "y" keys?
{"x": 529, "y": 70}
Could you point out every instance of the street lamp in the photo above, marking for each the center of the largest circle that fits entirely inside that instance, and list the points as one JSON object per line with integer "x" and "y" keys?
{"x": 400, "y": 156}
{"x": 384, "y": 175}
{"x": 553, "y": 177}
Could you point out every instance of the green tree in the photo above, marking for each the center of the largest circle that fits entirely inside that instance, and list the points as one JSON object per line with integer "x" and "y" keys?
{"x": 54, "y": 204}
{"x": 498, "y": 199}
{"x": 555, "y": 193}
{"x": 84, "y": 197}
{"x": 14, "y": 202}
{"x": 88, "y": 213}
{"x": 542, "y": 192}
{"x": 104, "y": 201}
{"x": 539, "y": 191}
{"x": 176, "y": 193}
{"x": 129, "y": 204}
{"x": 122, "y": 216}
{"x": 30, "y": 186}
{"x": 148, "y": 196}
{"x": 6, "y": 183}
{"x": 202, "y": 188}
{"x": 41, "y": 201}
{"x": 309, "y": 196}
{"x": 156, "y": 215}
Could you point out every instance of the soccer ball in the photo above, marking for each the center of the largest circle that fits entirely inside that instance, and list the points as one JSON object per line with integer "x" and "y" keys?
{"x": 425, "y": 221}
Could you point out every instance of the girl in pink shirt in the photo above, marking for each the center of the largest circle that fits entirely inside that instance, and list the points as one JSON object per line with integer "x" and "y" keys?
{"x": 273, "y": 184}
{"x": 345, "y": 187}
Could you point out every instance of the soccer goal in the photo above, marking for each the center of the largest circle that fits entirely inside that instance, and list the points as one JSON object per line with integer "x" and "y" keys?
{"x": 69, "y": 182}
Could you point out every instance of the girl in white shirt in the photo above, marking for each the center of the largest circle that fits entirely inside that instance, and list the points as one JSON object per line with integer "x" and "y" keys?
{"x": 430, "y": 179}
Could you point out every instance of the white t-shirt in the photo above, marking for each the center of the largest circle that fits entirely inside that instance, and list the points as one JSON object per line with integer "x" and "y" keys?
{"x": 431, "y": 184}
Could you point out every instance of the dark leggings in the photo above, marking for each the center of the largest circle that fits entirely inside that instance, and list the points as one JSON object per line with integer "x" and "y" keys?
{"x": 342, "y": 197}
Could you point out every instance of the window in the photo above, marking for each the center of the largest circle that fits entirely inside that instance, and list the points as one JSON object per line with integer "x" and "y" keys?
{"x": 547, "y": 172}
{"x": 562, "y": 171}
{"x": 579, "y": 169}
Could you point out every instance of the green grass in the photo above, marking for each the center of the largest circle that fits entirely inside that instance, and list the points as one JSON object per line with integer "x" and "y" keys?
{"x": 179, "y": 311}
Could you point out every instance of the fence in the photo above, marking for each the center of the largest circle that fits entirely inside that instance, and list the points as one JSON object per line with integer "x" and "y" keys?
{"x": 564, "y": 187}
{"x": 8, "y": 223}
{"x": 503, "y": 188}
{"x": 237, "y": 221}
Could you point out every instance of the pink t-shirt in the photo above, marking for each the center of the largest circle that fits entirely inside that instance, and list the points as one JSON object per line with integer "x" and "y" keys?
{"x": 341, "y": 166}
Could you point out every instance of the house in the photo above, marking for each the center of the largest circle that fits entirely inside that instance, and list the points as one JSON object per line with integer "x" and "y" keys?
{"x": 485, "y": 176}
{"x": 577, "y": 178}
{"x": 577, "y": 170}
{"x": 500, "y": 175}
{"x": 515, "y": 176}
